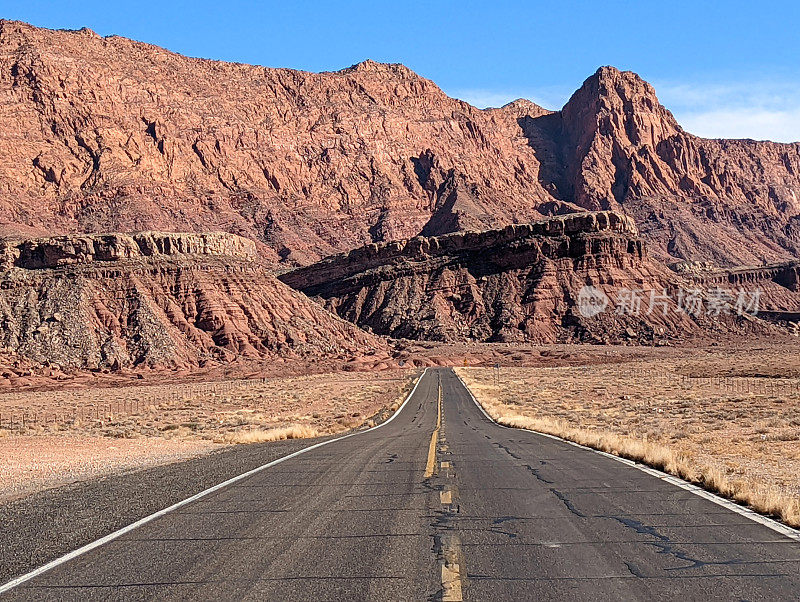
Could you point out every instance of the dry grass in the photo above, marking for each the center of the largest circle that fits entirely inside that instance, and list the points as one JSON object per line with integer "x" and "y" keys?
{"x": 742, "y": 447}
{"x": 218, "y": 412}
{"x": 278, "y": 434}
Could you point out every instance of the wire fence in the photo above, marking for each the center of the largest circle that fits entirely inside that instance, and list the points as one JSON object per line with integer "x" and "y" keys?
{"x": 763, "y": 385}
{"x": 71, "y": 411}
{"x": 752, "y": 385}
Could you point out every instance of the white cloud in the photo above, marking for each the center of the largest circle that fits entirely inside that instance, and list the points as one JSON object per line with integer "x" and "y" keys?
{"x": 759, "y": 124}
{"x": 758, "y": 109}
{"x": 767, "y": 94}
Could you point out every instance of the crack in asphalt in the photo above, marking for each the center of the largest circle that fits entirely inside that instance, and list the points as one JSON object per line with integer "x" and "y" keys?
{"x": 535, "y": 472}
{"x": 499, "y": 521}
{"x": 445, "y": 539}
{"x": 567, "y": 502}
{"x": 665, "y": 545}
{"x": 508, "y": 451}
{"x": 634, "y": 570}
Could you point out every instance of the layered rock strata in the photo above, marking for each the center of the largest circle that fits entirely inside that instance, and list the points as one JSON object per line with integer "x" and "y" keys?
{"x": 158, "y": 300}
{"x": 524, "y": 282}
{"x": 108, "y": 134}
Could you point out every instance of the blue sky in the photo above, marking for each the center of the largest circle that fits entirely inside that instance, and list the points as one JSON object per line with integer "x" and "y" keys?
{"x": 726, "y": 69}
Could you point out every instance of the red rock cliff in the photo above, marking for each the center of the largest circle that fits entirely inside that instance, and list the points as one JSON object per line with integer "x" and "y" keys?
{"x": 108, "y": 134}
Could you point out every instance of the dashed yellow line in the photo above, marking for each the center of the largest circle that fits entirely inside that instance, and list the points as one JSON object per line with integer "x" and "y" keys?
{"x": 430, "y": 466}
{"x": 451, "y": 582}
{"x": 451, "y": 561}
{"x": 451, "y": 558}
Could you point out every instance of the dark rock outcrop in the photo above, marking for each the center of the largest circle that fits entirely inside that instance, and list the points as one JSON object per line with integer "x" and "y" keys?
{"x": 60, "y": 251}
{"x": 778, "y": 284}
{"x": 523, "y": 282}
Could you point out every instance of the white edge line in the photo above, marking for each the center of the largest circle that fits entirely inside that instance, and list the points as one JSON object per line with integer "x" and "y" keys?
{"x": 776, "y": 526}
{"x": 143, "y": 521}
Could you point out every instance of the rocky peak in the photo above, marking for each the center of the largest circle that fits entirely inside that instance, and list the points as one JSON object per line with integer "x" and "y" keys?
{"x": 370, "y": 66}
{"x": 522, "y": 107}
{"x": 614, "y": 103}
{"x": 611, "y": 122}
{"x": 9, "y": 28}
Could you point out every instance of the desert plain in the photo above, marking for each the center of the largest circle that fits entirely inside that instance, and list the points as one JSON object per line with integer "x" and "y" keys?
{"x": 725, "y": 415}
{"x": 94, "y": 432}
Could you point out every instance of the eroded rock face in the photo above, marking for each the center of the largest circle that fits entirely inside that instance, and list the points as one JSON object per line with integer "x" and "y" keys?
{"x": 160, "y": 300}
{"x": 728, "y": 201}
{"x": 521, "y": 283}
{"x": 108, "y": 134}
{"x": 61, "y": 251}
{"x": 778, "y": 284}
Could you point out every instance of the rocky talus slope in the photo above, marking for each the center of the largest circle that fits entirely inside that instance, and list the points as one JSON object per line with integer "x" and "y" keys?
{"x": 108, "y": 134}
{"x": 519, "y": 283}
{"x": 157, "y": 300}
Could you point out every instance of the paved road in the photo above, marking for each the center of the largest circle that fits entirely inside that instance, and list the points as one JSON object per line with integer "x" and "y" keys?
{"x": 506, "y": 515}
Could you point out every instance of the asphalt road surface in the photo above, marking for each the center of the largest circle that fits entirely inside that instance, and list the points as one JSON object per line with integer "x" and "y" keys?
{"x": 439, "y": 504}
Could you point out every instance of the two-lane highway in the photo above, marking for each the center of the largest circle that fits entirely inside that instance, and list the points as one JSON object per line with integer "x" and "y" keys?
{"x": 439, "y": 503}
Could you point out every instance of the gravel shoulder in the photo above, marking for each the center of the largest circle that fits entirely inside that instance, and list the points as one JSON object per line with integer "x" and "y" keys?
{"x": 29, "y": 464}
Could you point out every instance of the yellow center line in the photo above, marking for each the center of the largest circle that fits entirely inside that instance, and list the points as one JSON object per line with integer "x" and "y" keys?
{"x": 453, "y": 573}
{"x": 451, "y": 560}
{"x": 439, "y": 416}
{"x": 430, "y": 466}
{"x": 451, "y": 582}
